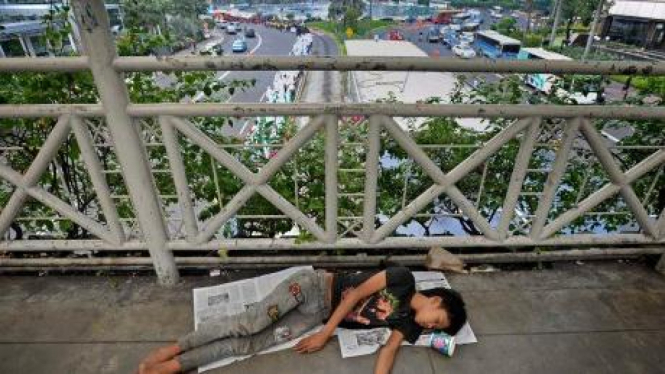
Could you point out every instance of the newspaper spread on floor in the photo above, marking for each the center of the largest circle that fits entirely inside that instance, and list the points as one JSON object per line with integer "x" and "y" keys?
{"x": 363, "y": 342}
{"x": 231, "y": 298}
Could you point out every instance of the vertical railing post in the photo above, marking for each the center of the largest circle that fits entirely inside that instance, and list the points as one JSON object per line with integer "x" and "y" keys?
{"x": 371, "y": 175}
{"x": 331, "y": 166}
{"x": 660, "y": 266}
{"x": 98, "y": 44}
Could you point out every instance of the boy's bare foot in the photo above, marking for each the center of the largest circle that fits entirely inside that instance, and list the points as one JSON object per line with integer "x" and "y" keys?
{"x": 168, "y": 367}
{"x": 159, "y": 355}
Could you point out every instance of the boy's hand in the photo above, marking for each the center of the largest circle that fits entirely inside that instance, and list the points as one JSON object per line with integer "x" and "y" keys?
{"x": 312, "y": 343}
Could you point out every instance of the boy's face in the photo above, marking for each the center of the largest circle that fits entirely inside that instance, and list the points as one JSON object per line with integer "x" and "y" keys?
{"x": 432, "y": 316}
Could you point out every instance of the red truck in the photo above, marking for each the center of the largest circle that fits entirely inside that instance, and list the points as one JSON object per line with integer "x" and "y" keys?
{"x": 395, "y": 35}
{"x": 445, "y": 17}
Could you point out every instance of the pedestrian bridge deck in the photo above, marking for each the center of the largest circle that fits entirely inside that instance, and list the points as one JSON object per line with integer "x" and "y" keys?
{"x": 591, "y": 318}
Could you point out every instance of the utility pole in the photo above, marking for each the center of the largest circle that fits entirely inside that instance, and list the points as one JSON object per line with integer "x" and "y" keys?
{"x": 558, "y": 4}
{"x": 592, "y": 32}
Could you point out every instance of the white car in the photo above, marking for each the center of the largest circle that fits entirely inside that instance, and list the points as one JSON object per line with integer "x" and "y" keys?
{"x": 455, "y": 27}
{"x": 464, "y": 50}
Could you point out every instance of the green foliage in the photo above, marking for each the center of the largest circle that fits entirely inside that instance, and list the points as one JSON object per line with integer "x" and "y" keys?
{"x": 507, "y": 4}
{"x": 164, "y": 23}
{"x": 532, "y": 40}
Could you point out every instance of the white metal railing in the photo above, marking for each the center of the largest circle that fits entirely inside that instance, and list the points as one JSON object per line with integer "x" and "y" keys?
{"x": 359, "y": 231}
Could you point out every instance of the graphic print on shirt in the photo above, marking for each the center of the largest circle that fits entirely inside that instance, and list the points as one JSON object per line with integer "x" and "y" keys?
{"x": 374, "y": 309}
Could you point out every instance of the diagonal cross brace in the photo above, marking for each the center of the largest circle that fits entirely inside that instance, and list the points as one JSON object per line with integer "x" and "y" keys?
{"x": 617, "y": 177}
{"x": 604, "y": 193}
{"x": 27, "y": 187}
{"x": 254, "y": 182}
{"x": 446, "y": 183}
{"x": 554, "y": 178}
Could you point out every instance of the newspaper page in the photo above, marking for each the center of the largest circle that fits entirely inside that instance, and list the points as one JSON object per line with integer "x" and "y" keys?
{"x": 232, "y": 298}
{"x": 362, "y": 342}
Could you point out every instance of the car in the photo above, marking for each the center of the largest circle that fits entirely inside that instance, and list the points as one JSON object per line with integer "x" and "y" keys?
{"x": 231, "y": 29}
{"x": 433, "y": 36}
{"x": 221, "y": 24}
{"x": 212, "y": 49}
{"x": 464, "y": 50}
{"x": 470, "y": 26}
{"x": 467, "y": 37}
{"x": 239, "y": 45}
{"x": 449, "y": 39}
{"x": 250, "y": 33}
{"x": 455, "y": 27}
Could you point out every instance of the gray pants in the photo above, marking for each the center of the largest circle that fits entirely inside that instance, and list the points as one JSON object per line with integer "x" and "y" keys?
{"x": 295, "y": 306}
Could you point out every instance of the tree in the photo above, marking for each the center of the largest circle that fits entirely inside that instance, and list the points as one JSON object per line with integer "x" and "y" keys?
{"x": 529, "y": 11}
{"x": 507, "y": 26}
{"x": 572, "y": 10}
{"x": 147, "y": 15}
{"x": 172, "y": 19}
{"x": 348, "y": 11}
{"x": 67, "y": 177}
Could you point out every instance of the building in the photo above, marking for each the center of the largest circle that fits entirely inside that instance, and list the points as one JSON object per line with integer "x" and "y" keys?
{"x": 639, "y": 23}
{"x": 402, "y": 86}
{"x": 21, "y": 28}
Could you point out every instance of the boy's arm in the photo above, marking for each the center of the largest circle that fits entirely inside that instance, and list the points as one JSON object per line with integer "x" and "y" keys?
{"x": 384, "y": 362}
{"x": 375, "y": 283}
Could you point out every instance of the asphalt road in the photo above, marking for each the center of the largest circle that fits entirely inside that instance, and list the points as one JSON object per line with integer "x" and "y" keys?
{"x": 412, "y": 34}
{"x": 268, "y": 42}
{"x": 323, "y": 45}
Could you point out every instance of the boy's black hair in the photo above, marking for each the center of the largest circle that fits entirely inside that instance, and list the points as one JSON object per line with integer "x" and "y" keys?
{"x": 452, "y": 303}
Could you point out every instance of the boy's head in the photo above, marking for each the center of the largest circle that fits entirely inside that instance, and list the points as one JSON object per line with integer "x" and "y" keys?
{"x": 444, "y": 311}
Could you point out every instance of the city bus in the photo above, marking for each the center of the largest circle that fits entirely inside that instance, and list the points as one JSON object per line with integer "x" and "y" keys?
{"x": 545, "y": 83}
{"x": 495, "y": 45}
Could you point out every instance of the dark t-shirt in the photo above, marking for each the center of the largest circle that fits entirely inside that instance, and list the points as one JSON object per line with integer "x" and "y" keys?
{"x": 389, "y": 307}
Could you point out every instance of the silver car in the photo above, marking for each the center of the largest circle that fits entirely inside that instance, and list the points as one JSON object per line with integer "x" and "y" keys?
{"x": 464, "y": 50}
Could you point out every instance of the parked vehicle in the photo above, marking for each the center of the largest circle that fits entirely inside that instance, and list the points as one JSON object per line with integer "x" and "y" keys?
{"x": 495, "y": 45}
{"x": 213, "y": 49}
{"x": 470, "y": 26}
{"x": 467, "y": 37}
{"x": 239, "y": 46}
{"x": 546, "y": 83}
{"x": 450, "y": 39}
{"x": 433, "y": 35}
{"x": 395, "y": 35}
{"x": 444, "y": 17}
{"x": 464, "y": 50}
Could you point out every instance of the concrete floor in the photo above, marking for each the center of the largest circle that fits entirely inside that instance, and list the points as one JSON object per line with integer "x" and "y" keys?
{"x": 591, "y": 318}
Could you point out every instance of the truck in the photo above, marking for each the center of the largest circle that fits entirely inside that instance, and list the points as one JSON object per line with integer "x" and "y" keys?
{"x": 445, "y": 17}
